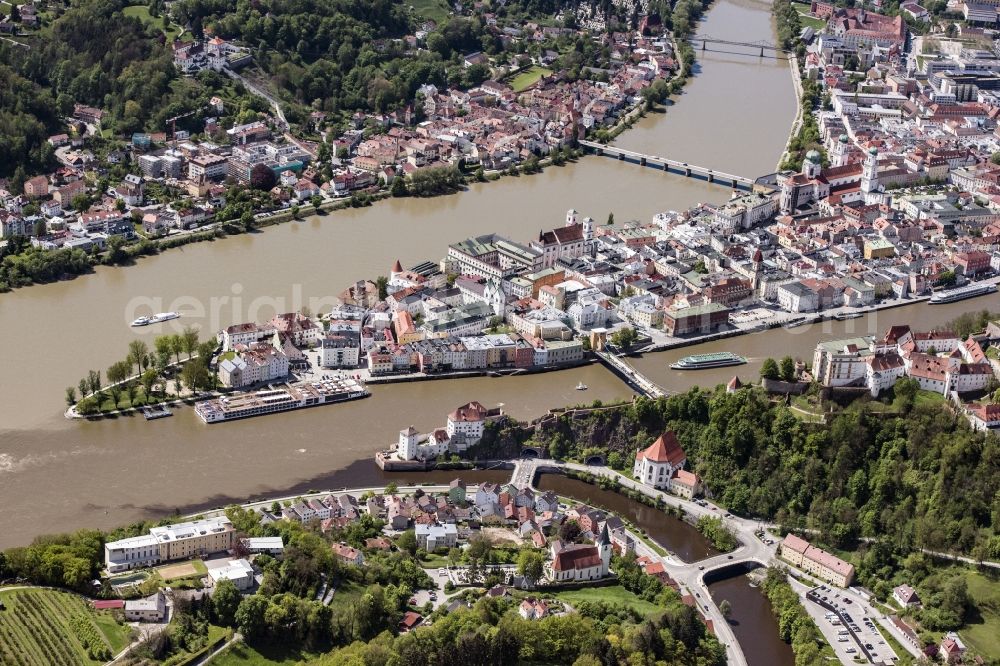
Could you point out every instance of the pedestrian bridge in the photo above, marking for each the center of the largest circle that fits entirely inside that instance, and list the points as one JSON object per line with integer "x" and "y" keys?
{"x": 630, "y": 375}
{"x": 762, "y": 45}
{"x": 670, "y": 166}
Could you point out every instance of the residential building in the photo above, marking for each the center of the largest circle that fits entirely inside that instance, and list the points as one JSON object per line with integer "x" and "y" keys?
{"x": 905, "y": 596}
{"x": 432, "y": 537}
{"x": 148, "y": 609}
{"x": 239, "y": 572}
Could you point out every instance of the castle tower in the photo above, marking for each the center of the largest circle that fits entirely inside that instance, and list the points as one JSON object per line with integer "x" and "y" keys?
{"x": 397, "y": 268}
{"x": 407, "y": 448}
{"x": 570, "y": 217}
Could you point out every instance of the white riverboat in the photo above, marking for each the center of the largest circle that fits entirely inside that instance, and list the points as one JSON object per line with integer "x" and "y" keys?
{"x": 283, "y": 399}
{"x": 704, "y": 361}
{"x": 961, "y": 293}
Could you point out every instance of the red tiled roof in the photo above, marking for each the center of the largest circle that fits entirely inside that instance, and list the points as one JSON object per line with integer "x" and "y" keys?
{"x": 664, "y": 449}
{"x": 577, "y": 556}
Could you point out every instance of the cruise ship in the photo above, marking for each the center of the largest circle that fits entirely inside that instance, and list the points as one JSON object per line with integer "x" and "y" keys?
{"x": 961, "y": 293}
{"x": 704, "y": 361}
{"x": 286, "y": 398}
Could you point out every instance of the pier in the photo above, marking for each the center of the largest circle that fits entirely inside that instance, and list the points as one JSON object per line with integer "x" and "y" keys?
{"x": 630, "y": 375}
{"x": 671, "y": 166}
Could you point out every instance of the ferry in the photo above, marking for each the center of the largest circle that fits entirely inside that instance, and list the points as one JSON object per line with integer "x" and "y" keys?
{"x": 704, "y": 361}
{"x": 163, "y": 316}
{"x": 140, "y": 321}
{"x": 844, "y": 316}
{"x": 961, "y": 293}
{"x": 286, "y": 398}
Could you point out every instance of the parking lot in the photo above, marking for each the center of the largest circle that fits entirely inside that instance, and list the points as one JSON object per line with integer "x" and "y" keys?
{"x": 437, "y": 596}
{"x": 852, "y": 634}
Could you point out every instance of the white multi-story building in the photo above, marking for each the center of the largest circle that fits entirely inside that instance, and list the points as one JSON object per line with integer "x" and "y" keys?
{"x": 132, "y": 553}
{"x": 842, "y": 362}
{"x": 244, "y": 334}
{"x": 469, "y": 420}
{"x": 169, "y": 542}
{"x": 340, "y": 351}
{"x": 432, "y": 537}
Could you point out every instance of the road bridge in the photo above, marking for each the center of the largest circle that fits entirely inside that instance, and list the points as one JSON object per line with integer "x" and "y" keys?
{"x": 670, "y": 166}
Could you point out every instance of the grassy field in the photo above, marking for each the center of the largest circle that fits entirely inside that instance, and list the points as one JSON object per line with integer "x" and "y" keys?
{"x": 434, "y": 561}
{"x": 929, "y": 398}
{"x": 983, "y": 632}
{"x": 528, "y": 77}
{"x": 805, "y": 19}
{"x": 141, "y": 12}
{"x": 615, "y": 594}
{"x": 346, "y": 593}
{"x": 42, "y": 627}
{"x": 244, "y": 655}
{"x": 436, "y": 10}
{"x": 811, "y": 22}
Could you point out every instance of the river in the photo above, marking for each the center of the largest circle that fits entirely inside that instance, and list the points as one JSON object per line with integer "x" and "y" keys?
{"x": 677, "y": 536}
{"x": 753, "y": 622}
{"x": 57, "y": 475}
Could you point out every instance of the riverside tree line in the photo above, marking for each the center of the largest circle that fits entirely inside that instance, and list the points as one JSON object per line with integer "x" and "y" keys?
{"x": 143, "y": 377}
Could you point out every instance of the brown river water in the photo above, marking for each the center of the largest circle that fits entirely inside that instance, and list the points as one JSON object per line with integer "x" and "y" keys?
{"x": 57, "y": 475}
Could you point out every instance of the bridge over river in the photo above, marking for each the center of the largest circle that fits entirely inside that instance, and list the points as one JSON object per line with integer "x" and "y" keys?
{"x": 760, "y": 44}
{"x": 630, "y": 375}
{"x": 671, "y": 166}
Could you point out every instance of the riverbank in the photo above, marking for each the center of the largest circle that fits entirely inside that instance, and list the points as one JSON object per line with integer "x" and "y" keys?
{"x": 793, "y": 66}
{"x": 92, "y": 468}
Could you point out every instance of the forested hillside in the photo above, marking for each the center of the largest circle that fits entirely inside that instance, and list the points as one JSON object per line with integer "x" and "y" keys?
{"x": 916, "y": 478}
{"x": 92, "y": 54}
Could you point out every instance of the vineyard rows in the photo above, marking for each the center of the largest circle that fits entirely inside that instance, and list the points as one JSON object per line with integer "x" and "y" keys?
{"x": 45, "y": 628}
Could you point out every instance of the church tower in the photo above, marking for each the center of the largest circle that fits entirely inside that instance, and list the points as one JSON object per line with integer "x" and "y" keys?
{"x": 604, "y": 549}
{"x": 494, "y": 296}
{"x": 840, "y": 151}
{"x": 812, "y": 165}
{"x": 588, "y": 229}
{"x": 869, "y": 173}
{"x": 758, "y": 268}
{"x": 570, "y": 217}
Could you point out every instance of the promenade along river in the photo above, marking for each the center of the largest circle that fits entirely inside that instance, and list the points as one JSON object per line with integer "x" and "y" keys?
{"x": 57, "y": 475}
